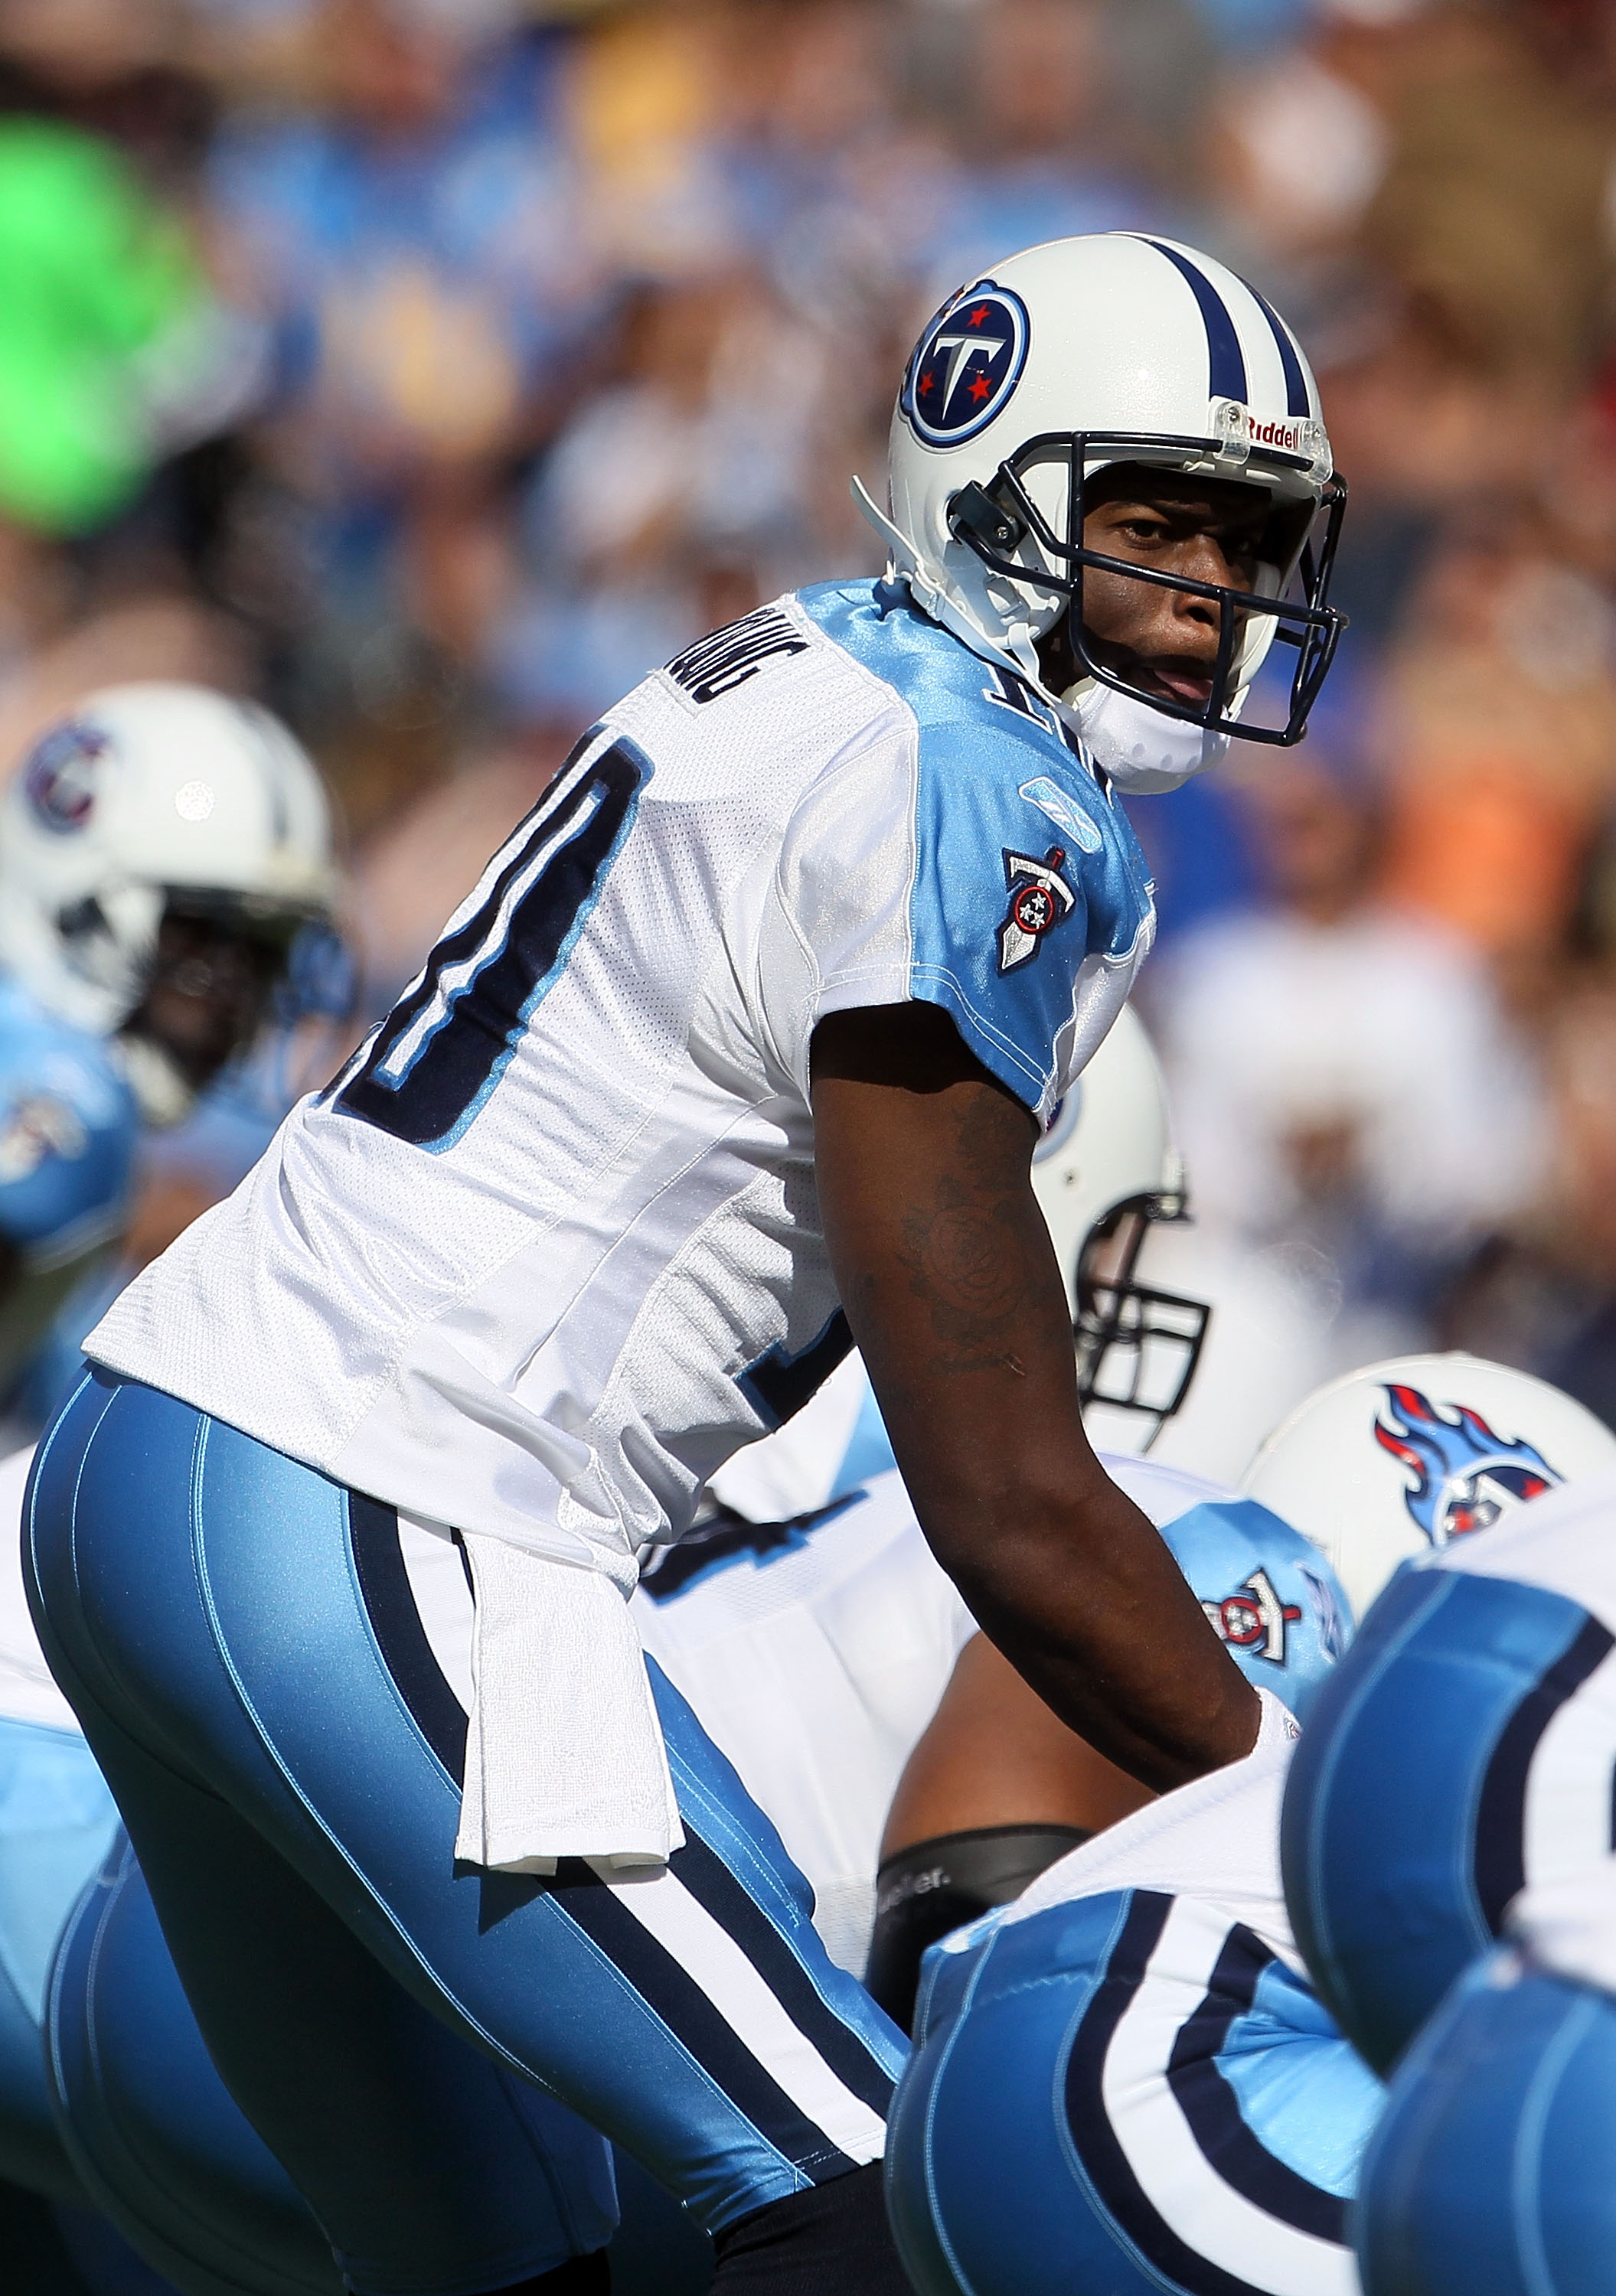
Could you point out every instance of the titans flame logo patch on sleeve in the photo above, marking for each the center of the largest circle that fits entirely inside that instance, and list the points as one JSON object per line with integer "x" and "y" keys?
{"x": 1040, "y": 899}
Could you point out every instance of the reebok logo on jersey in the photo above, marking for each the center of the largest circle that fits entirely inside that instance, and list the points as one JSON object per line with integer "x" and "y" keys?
{"x": 1052, "y": 799}
{"x": 718, "y": 664}
{"x": 1040, "y": 899}
{"x": 1254, "y": 1619}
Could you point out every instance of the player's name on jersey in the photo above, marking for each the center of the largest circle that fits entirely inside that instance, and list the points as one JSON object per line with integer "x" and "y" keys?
{"x": 736, "y": 653}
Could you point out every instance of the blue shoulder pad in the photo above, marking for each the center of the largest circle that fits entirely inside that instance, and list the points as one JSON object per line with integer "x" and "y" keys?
{"x": 1268, "y": 1591}
{"x": 69, "y": 1124}
{"x": 1026, "y": 872}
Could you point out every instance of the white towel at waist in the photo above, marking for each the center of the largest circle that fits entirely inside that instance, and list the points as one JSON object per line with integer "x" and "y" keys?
{"x": 564, "y": 1753}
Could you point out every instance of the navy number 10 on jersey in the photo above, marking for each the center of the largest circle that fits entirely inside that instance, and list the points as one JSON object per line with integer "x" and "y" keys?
{"x": 444, "y": 1046}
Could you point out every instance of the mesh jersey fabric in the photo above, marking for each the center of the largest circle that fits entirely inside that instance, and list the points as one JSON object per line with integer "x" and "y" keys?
{"x": 550, "y": 1250}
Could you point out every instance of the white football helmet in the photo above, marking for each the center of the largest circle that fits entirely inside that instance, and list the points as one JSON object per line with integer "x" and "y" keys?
{"x": 1410, "y": 1454}
{"x": 1115, "y": 347}
{"x": 1105, "y": 1172}
{"x": 149, "y": 798}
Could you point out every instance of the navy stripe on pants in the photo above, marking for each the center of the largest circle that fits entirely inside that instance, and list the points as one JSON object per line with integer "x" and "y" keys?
{"x": 233, "y": 1631}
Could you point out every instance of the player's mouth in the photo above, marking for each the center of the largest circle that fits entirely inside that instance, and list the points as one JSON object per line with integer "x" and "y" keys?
{"x": 1175, "y": 677}
{"x": 1176, "y": 681}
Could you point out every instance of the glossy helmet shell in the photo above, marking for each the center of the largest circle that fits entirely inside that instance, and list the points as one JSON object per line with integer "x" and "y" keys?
{"x": 144, "y": 795}
{"x": 1411, "y": 1454}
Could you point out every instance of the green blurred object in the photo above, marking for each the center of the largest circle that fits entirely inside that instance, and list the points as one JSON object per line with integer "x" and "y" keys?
{"x": 92, "y": 273}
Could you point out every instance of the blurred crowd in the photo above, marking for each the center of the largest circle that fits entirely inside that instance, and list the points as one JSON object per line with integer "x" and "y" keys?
{"x": 433, "y": 368}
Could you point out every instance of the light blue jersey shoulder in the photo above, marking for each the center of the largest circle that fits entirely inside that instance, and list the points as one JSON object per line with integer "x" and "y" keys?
{"x": 68, "y": 1125}
{"x": 1027, "y": 872}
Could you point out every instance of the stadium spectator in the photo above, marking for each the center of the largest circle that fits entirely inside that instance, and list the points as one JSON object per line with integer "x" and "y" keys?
{"x": 1324, "y": 1052}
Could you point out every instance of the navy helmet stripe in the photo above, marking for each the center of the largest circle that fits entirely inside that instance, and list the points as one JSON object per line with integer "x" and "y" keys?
{"x": 1296, "y": 381}
{"x": 1211, "y": 2107}
{"x": 1225, "y": 362}
{"x": 1500, "y": 1863}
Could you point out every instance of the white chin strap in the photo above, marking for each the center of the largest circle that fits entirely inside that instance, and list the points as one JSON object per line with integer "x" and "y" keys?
{"x": 1140, "y": 750}
{"x": 1144, "y": 752}
{"x": 163, "y": 1095}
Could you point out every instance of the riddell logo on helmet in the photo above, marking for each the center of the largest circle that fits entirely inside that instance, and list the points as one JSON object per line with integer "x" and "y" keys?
{"x": 1285, "y": 437}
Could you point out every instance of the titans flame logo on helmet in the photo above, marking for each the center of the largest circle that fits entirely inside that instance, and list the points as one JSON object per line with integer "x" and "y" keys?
{"x": 1464, "y": 1475}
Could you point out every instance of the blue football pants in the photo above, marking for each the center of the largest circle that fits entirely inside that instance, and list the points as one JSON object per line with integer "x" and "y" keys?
{"x": 237, "y": 1637}
{"x": 1493, "y": 2171}
{"x": 1125, "y": 2095}
{"x": 56, "y": 1821}
{"x": 1465, "y": 1747}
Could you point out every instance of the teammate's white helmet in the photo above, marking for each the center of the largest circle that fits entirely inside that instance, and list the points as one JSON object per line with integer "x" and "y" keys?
{"x": 1104, "y": 1171}
{"x": 1117, "y": 347}
{"x": 151, "y": 795}
{"x": 1413, "y": 1453}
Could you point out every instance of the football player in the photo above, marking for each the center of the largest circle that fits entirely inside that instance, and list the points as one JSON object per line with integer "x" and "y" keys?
{"x": 157, "y": 2140}
{"x": 996, "y": 1788}
{"x": 1151, "y": 2090}
{"x": 814, "y": 1651}
{"x": 1466, "y": 1747}
{"x": 161, "y": 849}
{"x": 737, "y": 1054}
{"x": 1127, "y": 2078}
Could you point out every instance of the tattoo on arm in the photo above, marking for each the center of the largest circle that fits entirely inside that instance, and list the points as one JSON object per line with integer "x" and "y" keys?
{"x": 963, "y": 1255}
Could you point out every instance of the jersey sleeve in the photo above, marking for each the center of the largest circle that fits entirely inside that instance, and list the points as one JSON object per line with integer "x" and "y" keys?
{"x": 924, "y": 874}
{"x": 836, "y": 931}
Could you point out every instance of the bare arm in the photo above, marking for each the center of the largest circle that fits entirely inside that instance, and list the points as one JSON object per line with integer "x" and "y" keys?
{"x": 994, "y": 1755}
{"x": 950, "y": 1284}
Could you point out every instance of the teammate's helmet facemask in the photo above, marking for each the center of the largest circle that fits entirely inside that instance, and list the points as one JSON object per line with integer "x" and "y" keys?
{"x": 1137, "y": 1346}
{"x": 220, "y": 960}
{"x": 1106, "y": 1175}
{"x": 1297, "y": 553}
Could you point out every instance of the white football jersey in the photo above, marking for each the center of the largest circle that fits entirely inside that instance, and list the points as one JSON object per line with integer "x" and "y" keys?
{"x": 548, "y": 1250}
{"x": 814, "y": 1653}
